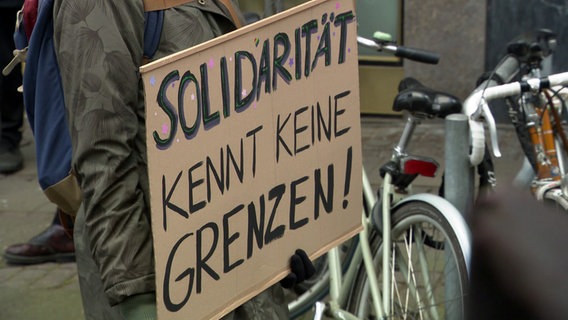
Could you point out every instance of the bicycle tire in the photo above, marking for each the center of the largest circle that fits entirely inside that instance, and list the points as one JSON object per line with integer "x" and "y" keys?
{"x": 405, "y": 221}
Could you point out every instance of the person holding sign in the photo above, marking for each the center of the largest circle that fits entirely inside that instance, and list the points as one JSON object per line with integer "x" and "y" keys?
{"x": 100, "y": 47}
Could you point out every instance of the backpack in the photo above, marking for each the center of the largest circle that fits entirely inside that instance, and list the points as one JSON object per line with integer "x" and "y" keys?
{"x": 43, "y": 93}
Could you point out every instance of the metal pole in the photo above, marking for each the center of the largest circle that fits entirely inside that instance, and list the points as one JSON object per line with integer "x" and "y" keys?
{"x": 458, "y": 178}
{"x": 458, "y": 189}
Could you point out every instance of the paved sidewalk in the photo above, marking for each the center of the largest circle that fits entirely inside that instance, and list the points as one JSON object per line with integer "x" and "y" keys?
{"x": 51, "y": 291}
{"x": 47, "y": 291}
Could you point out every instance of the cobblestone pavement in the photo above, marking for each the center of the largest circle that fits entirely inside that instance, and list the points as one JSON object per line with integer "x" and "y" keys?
{"x": 51, "y": 291}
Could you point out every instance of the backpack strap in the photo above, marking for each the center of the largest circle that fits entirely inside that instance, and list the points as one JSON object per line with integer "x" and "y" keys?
{"x": 154, "y": 18}
{"x": 228, "y": 4}
{"x": 152, "y": 33}
{"x": 154, "y": 5}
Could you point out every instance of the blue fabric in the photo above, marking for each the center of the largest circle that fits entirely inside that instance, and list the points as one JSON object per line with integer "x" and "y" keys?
{"x": 20, "y": 39}
{"x": 152, "y": 32}
{"x": 43, "y": 92}
{"x": 43, "y": 98}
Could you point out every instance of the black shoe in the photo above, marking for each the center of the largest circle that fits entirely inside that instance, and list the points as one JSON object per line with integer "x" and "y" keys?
{"x": 52, "y": 245}
{"x": 11, "y": 160}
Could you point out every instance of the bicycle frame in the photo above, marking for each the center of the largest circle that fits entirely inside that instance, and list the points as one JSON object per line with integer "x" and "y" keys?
{"x": 340, "y": 284}
{"x": 536, "y": 120}
{"x": 543, "y": 128}
{"x": 339, "y": 287}
{"x": 540, "y": 129}
{"x": 550, "y": 162}
{"x": 391, "y": 200}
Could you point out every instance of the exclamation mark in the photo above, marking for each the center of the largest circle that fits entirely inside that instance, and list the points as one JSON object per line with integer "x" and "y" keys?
{"x": 347, "y": 176}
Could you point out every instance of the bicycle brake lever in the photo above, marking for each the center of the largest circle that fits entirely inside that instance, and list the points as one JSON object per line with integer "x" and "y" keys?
{"x": 477, "y": 110}
{"x": 492, "y": 129}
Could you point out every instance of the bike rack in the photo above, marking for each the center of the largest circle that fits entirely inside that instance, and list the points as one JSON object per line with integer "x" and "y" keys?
{"x": 458, "y": 180}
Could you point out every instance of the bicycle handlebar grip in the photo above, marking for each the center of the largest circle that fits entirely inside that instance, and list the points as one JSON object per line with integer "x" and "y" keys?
{"x": 505, "y": 71}
{"x": 417, "y": 55}
{"x": 508, "y": 68}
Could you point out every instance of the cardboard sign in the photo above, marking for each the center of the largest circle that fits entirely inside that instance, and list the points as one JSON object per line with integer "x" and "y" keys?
{"x": 254, "y": 151}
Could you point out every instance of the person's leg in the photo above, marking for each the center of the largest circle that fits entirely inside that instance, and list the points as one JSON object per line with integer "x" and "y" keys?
{"x": 11, "y": 101}
{"x": 51, "y": 245}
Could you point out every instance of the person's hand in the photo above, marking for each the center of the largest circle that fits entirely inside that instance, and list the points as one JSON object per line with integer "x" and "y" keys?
{"x": 302, "y": 269}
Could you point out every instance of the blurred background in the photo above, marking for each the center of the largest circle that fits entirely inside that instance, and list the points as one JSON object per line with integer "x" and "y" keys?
{"x": 470, "y": 35}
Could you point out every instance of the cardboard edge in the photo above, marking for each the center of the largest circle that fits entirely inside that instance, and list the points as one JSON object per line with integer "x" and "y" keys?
{"x": 229, "y": 36}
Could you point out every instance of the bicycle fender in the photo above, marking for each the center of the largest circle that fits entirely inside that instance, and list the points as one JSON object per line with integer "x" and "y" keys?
{"x": 451, "y": 214}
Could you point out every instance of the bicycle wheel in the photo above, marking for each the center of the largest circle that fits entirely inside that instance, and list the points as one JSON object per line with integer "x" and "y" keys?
{"x": 428, "y": 269}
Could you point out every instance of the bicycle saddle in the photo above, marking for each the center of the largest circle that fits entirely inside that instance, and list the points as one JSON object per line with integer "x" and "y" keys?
{"x": 414, "y": 97}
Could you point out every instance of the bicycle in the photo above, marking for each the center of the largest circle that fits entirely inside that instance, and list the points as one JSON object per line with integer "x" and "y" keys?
{"x": 427, "y": 237}
{"x": 535, "y": 113}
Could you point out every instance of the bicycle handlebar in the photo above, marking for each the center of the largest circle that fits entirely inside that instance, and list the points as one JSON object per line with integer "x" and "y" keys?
{"x": 505, "y": 71}
{"x": 477, "y": 108}
{"x": 401, "y": 51}
{"x": 416, "y": 54}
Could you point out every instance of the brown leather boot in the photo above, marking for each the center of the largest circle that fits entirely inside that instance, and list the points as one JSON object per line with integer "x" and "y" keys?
{"x": 52, "y": 245}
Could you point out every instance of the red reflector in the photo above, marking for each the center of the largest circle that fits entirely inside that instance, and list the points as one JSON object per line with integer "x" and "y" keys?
{"x": 421, "y": 167}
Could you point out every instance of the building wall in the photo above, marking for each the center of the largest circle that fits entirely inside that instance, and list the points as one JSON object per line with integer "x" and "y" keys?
{"x": 470, "y": 35}
{"x": 453, "y": 28}
{"x": 456, "y": 30}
